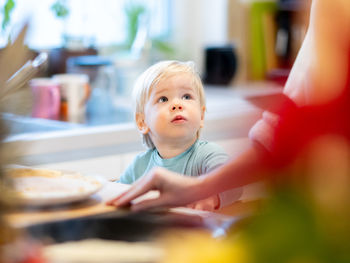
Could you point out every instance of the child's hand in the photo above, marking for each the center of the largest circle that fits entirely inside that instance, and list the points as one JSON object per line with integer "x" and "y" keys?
{"x": 210, "y": 204}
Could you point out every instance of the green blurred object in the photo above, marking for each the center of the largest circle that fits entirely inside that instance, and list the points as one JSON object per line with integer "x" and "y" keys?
{"x": 7, "y": 10}
{"x": 133, "y": 13}
{"x": 60, "y": 9}
{"x": 163, "y": 47}
{"x": 136, "y": 17}
{"x": 290, "y": 228}
{"x": 257, "y": 49}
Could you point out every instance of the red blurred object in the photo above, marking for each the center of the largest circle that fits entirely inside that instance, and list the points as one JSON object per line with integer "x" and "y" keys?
{"x": 299, "y": 126}
{"x": 279, "y": 76}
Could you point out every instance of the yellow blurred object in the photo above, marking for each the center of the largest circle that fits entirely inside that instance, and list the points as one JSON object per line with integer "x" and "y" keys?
{"x": 97, "y": 250}
{"x": 329, "y": 171}
{"x": 200, "y": 246}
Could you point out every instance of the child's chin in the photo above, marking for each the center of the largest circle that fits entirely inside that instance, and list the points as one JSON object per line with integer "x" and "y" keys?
{"x": 183, "y": 137}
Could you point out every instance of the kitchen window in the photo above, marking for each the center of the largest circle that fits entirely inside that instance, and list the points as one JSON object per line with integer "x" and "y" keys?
{"x": 97, "y": 23}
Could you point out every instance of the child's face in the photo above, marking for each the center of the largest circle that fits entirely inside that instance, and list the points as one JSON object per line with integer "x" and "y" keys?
{"x": 173, "y": 111}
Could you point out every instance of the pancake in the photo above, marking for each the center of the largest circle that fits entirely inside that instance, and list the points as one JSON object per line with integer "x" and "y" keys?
{"x": 44, "y": 186}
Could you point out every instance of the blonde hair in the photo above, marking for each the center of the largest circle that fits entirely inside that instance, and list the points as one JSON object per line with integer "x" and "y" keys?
{"x": 152, "y": 76}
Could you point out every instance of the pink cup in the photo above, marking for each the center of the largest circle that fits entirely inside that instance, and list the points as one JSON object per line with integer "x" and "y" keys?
{"x": 46, "y": 93}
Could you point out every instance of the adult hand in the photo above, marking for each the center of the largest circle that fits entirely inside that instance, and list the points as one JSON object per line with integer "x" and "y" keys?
{"x": 174, "y": 190}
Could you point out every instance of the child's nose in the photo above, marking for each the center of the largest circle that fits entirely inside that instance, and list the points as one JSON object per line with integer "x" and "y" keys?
{"x": 176, "y": 107}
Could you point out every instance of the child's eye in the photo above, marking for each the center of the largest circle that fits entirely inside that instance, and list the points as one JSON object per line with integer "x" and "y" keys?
{"x": 163, "y": 99}
{"x": 187, "y": 97}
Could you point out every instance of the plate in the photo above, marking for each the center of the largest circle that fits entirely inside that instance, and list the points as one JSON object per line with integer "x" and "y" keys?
{"x": 42, "y": 187}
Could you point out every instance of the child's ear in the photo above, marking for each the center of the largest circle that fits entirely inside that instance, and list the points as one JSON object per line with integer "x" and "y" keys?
{"x": 140, "y": 122}
{"x": 202, "y": 116}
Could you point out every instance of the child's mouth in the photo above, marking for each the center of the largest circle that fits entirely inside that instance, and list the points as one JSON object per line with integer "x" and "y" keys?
{"x": 178, "y": 119}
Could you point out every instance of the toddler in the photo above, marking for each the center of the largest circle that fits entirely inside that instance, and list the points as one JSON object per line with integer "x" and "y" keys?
{"x": 169, "y": 113}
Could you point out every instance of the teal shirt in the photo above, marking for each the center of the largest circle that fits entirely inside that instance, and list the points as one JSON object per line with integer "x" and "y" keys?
{"x": 201, "y": 158}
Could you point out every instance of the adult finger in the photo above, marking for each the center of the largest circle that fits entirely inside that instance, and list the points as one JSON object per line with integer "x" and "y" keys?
{"x": 139, "y": 188}
{"x": 149, "y": 204}
{"x": 110, "y": 202}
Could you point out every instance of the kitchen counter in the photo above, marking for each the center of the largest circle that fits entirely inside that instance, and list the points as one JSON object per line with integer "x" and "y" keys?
{"x": 91, "y": 216}
{"x": 96, "y": 205}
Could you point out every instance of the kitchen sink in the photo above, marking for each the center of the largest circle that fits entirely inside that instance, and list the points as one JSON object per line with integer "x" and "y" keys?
{"x": 18, "y": 124}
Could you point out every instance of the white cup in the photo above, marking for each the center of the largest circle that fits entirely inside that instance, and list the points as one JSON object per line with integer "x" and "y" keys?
{"x": 75, "y": 91}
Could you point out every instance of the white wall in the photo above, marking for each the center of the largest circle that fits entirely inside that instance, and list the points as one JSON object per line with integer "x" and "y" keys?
{"x": 197, "y": 24}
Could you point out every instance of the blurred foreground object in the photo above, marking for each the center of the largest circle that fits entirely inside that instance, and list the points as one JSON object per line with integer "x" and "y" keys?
{"x": 305, "y": 219}
{"x": 10, "y": 60}
{"x": 16, "y": 88}
{"x": 13, "y": 57}
{"x": 99, "y": 250}
{"x": 14, "y": 245}
{"x": 17, "y": 69}
{"x": 23, "y": 75}
{"x": 200, "y": 246}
